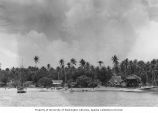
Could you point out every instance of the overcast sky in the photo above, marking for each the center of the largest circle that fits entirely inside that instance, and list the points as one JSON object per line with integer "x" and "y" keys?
{"x": 90, "y": 29}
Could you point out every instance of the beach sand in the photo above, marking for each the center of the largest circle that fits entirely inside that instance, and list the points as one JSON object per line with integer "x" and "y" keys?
{"x": 34, "y": 97}
{"x": 107, "y": 96}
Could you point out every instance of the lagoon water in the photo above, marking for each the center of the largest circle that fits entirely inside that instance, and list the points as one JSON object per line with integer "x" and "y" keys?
{"x": 48, "y": 98}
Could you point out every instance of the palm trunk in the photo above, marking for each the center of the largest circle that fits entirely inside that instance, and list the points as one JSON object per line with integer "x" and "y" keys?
{"x": 126, "y": 71}
{"x": 155, "y": 80}
{"x": 65, "y": 76}
{"x": 58, "y": 75}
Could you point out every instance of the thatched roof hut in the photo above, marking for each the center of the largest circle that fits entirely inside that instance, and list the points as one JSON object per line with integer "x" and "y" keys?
{"x": 57, "y": 82}
{"x": 2, "y": 84}
{"x": 132, "y": 77}
{"x": 115, "y": 81}
{"x": 29, "y": 84}
{"x": 133, "y": 80}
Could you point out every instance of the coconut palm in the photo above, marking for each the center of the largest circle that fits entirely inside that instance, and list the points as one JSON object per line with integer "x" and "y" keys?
{"x": 73, "y": 61}
{"x": 61, "y": 62}
{"x": 126, "y": 65}
{"x": 115, "y": 62}
{"x": 82, "y": 63}
{"x": 87, "y": 66}
{"x": 72, "y": 64}
{"x": 36, "y": 60}
{"x": 58, "y": 71}
{"x": 100, "y": 63}
{"x": 0, "y": 65}
{"x": 69, "y": 65}
{"x": 48, "y": 66}
{"x": 153, "y": 72}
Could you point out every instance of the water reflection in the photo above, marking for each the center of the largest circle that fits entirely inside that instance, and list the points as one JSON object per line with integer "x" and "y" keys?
{"x": 47, "y": 98}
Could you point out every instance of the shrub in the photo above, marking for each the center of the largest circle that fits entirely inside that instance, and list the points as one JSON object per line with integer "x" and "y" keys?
{"x": 45, "y": 82}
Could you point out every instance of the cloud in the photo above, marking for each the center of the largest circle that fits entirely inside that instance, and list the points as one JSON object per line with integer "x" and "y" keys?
{"x": 39, "y": 15}
{"x": 8, "y": 50}
{"x": 90, "y": 29}
{"x": 146, "y": 47}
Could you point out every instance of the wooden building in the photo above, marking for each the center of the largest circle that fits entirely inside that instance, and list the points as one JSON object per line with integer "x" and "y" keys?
{"x": 57, "y": 84}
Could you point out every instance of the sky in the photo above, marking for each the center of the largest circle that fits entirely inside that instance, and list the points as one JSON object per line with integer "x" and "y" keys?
{"x": 90, "y": 29}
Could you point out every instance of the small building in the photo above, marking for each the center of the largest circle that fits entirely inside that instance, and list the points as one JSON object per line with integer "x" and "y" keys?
{"x": 115, "y": 81}
{"x": 10, "y": 84}
{"x": 2, "y": 84}
{"x": 72, "y": 84}
{"x": 133, "y": 81}
{"x": 57, "y": 83}
{"x": 29, "y": 84}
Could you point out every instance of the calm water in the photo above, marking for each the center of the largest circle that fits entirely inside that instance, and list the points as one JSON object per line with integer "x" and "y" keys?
{"x": 48, "y": 98}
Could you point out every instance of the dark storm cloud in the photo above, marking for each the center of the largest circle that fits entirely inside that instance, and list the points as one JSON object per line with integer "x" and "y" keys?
{"x": 92, "y": 29}
{"x": 24, "y": 16}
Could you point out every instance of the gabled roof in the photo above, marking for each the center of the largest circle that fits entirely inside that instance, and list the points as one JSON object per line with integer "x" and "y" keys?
{"x": 115, "y": 79}
{"x": 57, "y": 81}
{"x": 2, "y": 83}
{"x": 132, "y": 77}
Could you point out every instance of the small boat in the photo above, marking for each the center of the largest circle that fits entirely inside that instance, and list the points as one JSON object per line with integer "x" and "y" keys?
{"x": 20, "y": 87}
{"x": 147, "y": 87}
{"x": 150, "y": 88}
{"x": 56, "y": 88}
{"x": 131, "y": 90}
{"x": 20, "y": 90}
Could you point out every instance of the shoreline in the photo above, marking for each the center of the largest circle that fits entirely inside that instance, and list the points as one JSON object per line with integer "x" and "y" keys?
{"x": 101, "y": 89}
{"x": 97, "y": 89}
{"x": 99, "y": 96}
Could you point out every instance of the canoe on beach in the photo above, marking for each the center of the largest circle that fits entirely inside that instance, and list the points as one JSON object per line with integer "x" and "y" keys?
{"x": 149, "y": 88}
{"x": 21, "y": 90}
{"x": 105, "y": 89}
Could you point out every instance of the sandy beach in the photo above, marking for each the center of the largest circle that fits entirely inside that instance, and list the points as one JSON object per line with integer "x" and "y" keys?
{"x": 34, "y": 97}
{"x": 40, "y": 97}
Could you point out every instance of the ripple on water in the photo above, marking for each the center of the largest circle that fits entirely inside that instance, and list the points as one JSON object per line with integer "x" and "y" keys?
{"x": 48, "y": 98}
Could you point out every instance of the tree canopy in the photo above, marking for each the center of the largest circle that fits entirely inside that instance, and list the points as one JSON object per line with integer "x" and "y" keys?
{"x": 85, "y": 75}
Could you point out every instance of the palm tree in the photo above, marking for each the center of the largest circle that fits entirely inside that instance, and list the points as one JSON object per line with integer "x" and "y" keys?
{"x": 48, "y": 66}
{"x": 0, "y": 65}
{"x": 100, "y": 63}
{"x": 115, "y": 62}
{"x": 126, "y": 65}
{"x": 82, "y": 63}
{"x": 153, "y": 71}
{"x": 61, "y": 62}
{"x": 36, "y": 60}
{"x": 87, "y": 66}
{"x": 73, "y": 62}
{"x": 69, "y": 65}
{"x": 68, "y": 71}
{"x": 58, "y": 70}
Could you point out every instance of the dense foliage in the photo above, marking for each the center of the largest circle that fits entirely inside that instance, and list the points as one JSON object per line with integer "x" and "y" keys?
{"x": 85, "y": 75}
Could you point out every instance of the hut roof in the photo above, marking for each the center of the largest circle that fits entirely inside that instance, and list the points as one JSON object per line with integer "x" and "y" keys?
{"x": 132, "y": 77}
{"x": 29, "y": 82}
{"x": 115, "y": 79}
{"x": 57, "y": 81}
{"x": 2, "y": 83}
